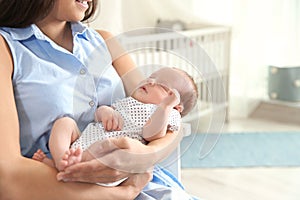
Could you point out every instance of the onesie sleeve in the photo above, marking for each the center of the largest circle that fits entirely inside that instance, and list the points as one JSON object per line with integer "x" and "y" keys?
{"x": 174, "y": 120}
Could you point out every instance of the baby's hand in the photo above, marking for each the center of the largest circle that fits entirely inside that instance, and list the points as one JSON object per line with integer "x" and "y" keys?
{"x": 172, "y": 99}
{"x": 111, "y": 119}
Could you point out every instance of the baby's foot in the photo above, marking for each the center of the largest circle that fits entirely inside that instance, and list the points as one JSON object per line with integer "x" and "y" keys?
{"x": 39, "y": 155}
{"x": 71, "y": 157}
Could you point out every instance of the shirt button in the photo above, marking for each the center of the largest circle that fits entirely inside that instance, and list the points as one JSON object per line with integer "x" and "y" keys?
{"x": 91, "y": 103}
{"x": 82, "y": 71}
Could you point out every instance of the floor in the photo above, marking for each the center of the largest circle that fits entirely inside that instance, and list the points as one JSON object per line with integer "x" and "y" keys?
{"x": 245, "y": 183}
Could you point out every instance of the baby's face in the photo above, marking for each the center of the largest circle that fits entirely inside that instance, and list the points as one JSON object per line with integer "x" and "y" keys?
{"x": 150, "y": 92}
{"x": 155, "y": 88}
{"x": 169, "y": 77}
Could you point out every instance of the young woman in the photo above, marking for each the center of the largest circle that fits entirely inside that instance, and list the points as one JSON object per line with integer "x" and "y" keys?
{"x": 44, "y": 51}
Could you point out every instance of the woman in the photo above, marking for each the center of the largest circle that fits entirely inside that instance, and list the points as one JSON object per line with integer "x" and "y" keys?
{"x": 43, "y": 51}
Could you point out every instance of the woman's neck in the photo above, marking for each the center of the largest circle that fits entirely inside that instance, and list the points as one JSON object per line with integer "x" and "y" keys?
{"x": 58, "y": 32}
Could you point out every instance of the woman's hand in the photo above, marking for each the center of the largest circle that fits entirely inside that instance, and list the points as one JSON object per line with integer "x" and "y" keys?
{"x": 117, "y": 158}
{"x": 138, "y": 181}
{"x": 107, "y": 161}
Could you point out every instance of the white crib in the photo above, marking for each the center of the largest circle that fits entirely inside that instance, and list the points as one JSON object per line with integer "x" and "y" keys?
{"x": 203, "y": 53}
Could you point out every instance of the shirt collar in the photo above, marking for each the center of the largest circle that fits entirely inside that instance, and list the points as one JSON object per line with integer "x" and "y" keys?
{"x": 78, "y": 29}
{"x": 21, "y": 33}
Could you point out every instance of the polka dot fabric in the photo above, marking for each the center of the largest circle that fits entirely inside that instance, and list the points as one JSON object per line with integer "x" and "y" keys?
{"x": 135, "y": 114}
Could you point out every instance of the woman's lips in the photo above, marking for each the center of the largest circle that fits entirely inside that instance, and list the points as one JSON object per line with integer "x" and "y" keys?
{"x": 83, "y": 3}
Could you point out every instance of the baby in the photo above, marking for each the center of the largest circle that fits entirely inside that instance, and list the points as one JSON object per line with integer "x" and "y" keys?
{"x": 155, "y": 107}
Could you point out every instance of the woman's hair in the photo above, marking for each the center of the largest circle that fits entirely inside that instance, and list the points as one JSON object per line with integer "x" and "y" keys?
{"x": 22, "y": 13}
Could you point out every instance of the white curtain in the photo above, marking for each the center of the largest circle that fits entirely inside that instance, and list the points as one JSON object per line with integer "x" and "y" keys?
{"x": 265, "y": 32}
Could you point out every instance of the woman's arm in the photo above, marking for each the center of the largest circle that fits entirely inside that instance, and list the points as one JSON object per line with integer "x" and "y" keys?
{"x": 130, "y": 74}
{"x": 122, "y": 154}
{"x": 23, "y": 178}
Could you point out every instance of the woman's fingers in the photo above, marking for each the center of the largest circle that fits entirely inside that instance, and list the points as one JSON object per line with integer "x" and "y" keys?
{"x": 92, "y": 172}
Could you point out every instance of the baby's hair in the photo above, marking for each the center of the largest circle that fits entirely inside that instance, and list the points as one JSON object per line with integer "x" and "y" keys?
{"x": 192, "y": 81}
{"x": 188, "y": 98}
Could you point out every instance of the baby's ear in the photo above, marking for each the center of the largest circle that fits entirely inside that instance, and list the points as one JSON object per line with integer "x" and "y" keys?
{"x": 179, "y": 107}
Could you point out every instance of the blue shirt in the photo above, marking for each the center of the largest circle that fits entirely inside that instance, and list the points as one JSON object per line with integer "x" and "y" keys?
{"x": 50, "y": 82}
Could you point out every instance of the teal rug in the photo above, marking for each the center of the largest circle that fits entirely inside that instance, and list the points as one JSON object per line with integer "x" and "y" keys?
{"x": 276, "y": 149}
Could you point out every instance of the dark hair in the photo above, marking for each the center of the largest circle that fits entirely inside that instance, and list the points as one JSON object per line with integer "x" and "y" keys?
{"x": 22, "y": 13}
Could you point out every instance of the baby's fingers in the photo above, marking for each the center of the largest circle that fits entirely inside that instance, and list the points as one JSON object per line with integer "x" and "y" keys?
{"x": 115, "y": 123}
{"x": 106, "y": 124}
{"x": 120, "y": 123}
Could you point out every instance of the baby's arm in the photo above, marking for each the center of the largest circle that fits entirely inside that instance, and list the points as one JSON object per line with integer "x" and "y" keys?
{"x": 156, "y": 126}
{"x": 111, "y": 119}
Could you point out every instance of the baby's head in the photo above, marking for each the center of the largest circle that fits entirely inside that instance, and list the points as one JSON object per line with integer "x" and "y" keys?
{"x": 154, "y": 88}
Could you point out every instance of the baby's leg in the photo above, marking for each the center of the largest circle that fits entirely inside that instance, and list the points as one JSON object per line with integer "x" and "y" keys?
{"x": 64, "y": 132}
{"x": 39, "y": 155}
